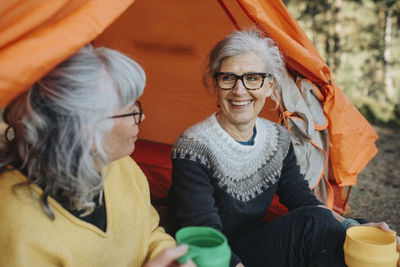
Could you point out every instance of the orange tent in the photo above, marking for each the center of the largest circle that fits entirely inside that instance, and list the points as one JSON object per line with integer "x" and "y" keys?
{"x": 171, "y": 39}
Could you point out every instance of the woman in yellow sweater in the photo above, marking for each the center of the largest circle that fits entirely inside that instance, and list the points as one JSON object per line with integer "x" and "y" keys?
{"x": 70, "y": 194}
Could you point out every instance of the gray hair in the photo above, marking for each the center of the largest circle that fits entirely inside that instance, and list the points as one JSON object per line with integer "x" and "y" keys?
{"x": 241, "y": 42}
{"x": 59, "y": 124}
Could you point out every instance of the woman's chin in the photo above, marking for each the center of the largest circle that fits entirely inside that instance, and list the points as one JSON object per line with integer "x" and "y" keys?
{"x": 242, "y": 120}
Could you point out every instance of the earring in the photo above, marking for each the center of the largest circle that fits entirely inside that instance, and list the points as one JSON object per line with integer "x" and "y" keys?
{"x": 7, "y": 135}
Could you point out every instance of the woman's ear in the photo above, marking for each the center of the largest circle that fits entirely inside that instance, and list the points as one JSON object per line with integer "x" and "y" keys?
{"x": 271, "y": 87}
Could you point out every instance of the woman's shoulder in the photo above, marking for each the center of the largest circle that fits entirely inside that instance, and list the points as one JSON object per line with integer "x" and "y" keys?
{"x": 199, "y": 133}
{"x": 125, "y": 164}
{"x": 29, "y": 236}
{"x": 125, "y": 167}
{"x": 274, "y": 134}
{"x": 270, "y": 124}
{"x": 20, "y": 210}
{"x": 201, "y": 128}
{"x": 15, "y": 192}
{"x": 126, "y": 172}
{"x": 197, "y": 142}
{"x": 266, "y": 124}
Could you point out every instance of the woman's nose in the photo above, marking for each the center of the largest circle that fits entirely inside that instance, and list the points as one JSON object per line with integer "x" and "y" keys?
{"x": 239, "y": 88}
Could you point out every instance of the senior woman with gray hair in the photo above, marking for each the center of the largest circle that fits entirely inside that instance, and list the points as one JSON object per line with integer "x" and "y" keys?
{"x": 227, "y": 168}
{"x": 70, "y": 193}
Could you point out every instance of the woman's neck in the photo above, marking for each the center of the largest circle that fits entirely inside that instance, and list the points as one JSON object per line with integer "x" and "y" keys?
{"x": 239, "y": 132}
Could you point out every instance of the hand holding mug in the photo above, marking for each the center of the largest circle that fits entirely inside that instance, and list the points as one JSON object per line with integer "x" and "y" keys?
{"x": 385, "y": 227}
{"x": 169, "y": 256}
{"x": 371, "y": 245}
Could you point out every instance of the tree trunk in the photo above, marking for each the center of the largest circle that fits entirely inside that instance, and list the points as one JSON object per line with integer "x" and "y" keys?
{"x": 337, "y": 7}
{"x": 314, "y": 31}
{"x": 328, "y": 21}
{"x": 389, "y": 90}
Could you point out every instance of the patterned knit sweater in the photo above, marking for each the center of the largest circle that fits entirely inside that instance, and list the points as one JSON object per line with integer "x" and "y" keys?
{"x": 220, "y": 183}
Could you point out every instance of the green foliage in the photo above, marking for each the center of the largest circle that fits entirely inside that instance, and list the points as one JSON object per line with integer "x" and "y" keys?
{"x": 377, "y": 112}
{"x": 353, "y": 38}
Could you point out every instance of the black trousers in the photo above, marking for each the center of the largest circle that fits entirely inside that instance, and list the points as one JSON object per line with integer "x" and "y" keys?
{"x": 308, "y": 236}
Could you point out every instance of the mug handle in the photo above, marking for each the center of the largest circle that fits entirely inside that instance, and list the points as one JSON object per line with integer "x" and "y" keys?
{"x": 189, "y": 255}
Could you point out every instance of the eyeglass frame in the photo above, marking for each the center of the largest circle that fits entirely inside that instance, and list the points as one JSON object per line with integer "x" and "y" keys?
{"x": 240, "y": 77}
{"x": 140, "y": 113}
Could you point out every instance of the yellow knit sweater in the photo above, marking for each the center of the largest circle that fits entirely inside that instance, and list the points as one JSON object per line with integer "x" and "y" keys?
{"x": 29, "y": 238}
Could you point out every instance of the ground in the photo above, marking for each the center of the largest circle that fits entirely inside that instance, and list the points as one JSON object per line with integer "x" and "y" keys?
{"x": 376, "y": 197}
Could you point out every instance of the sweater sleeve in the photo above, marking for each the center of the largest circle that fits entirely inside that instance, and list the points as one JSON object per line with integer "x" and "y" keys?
{"x": 194, "y": 203}
{"x": 158, "y": 239}
{"x": 293, "y": 190}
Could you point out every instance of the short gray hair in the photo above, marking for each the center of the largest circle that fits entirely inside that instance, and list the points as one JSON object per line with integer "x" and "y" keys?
{"x": 241, "y": 42}
{"x": 59, "y": 124}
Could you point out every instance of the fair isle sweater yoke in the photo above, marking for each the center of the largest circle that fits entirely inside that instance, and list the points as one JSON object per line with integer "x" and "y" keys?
{"x": 243, "y": 171}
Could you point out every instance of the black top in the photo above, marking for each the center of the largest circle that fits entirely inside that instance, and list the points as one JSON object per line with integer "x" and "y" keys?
{"x": 98, "y": 217}
{"x": 195, "y": 199}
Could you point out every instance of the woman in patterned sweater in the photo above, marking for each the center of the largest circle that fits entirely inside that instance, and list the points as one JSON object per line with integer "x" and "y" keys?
{"x": 227, "y": 168}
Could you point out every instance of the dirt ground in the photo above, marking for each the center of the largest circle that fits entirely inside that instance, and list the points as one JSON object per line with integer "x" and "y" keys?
{"x": 376, "y": 197}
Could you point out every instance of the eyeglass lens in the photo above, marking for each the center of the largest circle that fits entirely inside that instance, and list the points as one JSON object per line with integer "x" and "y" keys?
{"x": 251, "y": 81}
{"x": 138, "y": 116}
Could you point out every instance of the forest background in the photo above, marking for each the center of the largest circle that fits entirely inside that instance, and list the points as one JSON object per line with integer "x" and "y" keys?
{"x": 360, "y": 41}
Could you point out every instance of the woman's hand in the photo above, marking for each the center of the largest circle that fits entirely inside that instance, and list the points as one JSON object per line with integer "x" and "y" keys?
{"x": 398, "y": 249}
{"x": 239, "y": 265}
{"x": 168, "y": 258}
{"x": 381, "y": 225}
{"x": 385, "y": 227}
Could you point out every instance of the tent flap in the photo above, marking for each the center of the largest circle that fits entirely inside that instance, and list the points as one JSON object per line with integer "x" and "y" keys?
{"x": 41, "y": 34}
{"x": 37, "y": 35}
{"x": 351, "y": 137}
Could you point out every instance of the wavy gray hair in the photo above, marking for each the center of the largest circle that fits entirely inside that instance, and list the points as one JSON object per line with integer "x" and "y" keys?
{"x": 241, "y": 42}
{"x": 59, "y": 124}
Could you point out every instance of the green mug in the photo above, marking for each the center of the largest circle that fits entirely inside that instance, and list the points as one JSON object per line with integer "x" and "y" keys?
{"x": 207, "y": 246}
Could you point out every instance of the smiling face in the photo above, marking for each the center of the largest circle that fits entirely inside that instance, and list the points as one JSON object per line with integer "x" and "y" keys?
{"x": 239, "y": 106}
{"x": 121, "y": 140}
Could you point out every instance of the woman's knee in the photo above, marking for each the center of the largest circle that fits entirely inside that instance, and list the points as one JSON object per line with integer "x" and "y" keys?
{"x": 320, "y": 219}
{"x": 315, "y": 212}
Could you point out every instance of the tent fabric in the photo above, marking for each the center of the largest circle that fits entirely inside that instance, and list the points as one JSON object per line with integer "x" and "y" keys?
{"x": 302, "y": 113}
{"x": 302, "y": 118}
{"x": 155, "y": 161}
{"x": 171, "y": 39}
{"x": 37, "y": 35}
{"x": 351, "y": 137}
{"x": 300, "y": 53}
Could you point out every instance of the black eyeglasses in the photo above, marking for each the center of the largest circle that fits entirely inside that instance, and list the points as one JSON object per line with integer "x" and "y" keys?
{"x": 137, "y": 116}
{"x": 251, "y": 80}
